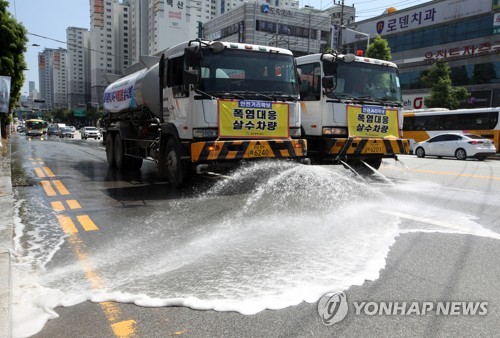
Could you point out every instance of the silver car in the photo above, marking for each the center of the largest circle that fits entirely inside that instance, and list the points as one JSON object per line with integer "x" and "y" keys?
{"x": 90, "y": 132}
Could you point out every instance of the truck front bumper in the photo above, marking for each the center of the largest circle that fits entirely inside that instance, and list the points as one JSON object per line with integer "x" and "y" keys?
{"x": 247, "y": 149}
{"x": 360, "y": 147}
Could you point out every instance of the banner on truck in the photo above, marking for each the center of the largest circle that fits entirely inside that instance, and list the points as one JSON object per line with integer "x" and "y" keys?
{"x": 253, "y": 119}
{"x": 372, "y": 121}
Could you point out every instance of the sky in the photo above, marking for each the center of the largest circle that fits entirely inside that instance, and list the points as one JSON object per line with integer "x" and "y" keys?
{"x": 50, "y": 18}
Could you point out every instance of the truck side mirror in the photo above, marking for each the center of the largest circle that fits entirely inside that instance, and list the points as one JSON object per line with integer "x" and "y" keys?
{"x": 329, "y": 82}
{"x": 192, "y": 57}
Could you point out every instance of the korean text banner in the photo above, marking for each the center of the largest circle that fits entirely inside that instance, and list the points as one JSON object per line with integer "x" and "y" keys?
{"x": 372, "y": 121}
{"x": 4, "y": 94}
{"x": 253, "y": 119}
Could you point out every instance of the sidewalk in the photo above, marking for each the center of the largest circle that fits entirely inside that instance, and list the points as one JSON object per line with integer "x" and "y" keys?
{"x": 6, "y": 228}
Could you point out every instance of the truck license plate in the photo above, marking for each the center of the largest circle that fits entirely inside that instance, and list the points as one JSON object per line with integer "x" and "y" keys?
{"x": 374, "y": 149}
{"x": 258, "y": 150}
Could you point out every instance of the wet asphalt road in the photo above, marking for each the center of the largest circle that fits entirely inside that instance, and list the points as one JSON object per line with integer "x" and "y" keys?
{"x": 421, "y": 266}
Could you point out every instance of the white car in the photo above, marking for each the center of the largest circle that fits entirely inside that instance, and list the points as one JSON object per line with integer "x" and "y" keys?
{"x": 460, "y": 146}
{"x": 90, "y": 132}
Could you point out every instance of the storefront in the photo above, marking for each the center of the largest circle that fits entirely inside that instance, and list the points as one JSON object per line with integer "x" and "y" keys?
{"x": 465, "y": 33}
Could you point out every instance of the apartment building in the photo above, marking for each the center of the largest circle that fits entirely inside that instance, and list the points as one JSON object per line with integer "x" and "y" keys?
{"x": 53, "y": 77}
{"x": 78, "y": 41}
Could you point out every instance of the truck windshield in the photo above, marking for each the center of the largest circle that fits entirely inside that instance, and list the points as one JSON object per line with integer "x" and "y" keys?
{"x": 367, "y": 81}
{"x": 242, "y": 71}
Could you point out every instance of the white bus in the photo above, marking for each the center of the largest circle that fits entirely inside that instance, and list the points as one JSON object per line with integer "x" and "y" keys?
{"x": 419, "y": 125}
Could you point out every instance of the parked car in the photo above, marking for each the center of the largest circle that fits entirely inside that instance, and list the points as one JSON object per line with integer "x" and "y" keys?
{"x": 52, "y": 130}
{"x": 90, "y": 132}
{"x": 460, "y": 146}
{"x": 66, "y": 132}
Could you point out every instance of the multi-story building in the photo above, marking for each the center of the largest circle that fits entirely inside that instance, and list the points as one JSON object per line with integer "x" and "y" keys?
{"x": 304, "y": 31}
{"x": 53, "y": 72}
{"x": 110, "y": 40}
{"x": 168, "y": 24}
{"x": 464, "y": 33}
{"x": 139, "y": 34}
{"x": 78, "y": 41}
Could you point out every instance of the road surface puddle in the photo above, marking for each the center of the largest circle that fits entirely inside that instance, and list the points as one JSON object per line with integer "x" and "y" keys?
{"x": 269, "y": 236}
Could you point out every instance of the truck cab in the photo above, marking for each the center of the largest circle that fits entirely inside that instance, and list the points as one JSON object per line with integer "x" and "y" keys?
{"x": 351, "y": 109}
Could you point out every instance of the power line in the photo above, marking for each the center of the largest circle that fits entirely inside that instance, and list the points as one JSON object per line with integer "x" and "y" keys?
{"x": 78, "y": 46}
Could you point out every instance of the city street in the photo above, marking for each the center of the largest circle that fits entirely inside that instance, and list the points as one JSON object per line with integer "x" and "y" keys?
{"x": 103, "y": 253}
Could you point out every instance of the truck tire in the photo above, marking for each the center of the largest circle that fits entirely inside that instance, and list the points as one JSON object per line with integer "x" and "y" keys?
{"x": 110, "y": 151}
{"x": 119, "y": 152}
{"x": 174, "y": 167}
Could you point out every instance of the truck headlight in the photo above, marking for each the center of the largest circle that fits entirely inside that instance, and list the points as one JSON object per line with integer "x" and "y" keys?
{"x": 204, "y": 133}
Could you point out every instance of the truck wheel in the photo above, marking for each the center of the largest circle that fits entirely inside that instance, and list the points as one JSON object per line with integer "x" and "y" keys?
{"x": 119, "y": 153}
{"x": 110, "y": 151}
{"x": 174, "y": 167}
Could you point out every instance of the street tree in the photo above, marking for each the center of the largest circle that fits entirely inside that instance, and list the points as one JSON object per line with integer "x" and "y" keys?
{"x": 442, "y": 92}
{"x": 13, "y": 40}
{"x": 379, "y": 49}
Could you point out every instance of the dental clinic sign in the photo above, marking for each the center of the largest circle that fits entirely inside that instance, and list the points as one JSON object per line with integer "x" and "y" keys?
{"x": 333, "y": 308}
{"x": 423, "y": 16}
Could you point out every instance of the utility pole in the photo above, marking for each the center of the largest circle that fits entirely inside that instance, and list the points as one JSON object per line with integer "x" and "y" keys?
{"x": 341, "y": 24}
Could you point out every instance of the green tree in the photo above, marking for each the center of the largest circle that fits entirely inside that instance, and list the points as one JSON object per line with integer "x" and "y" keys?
{"x": 379, "y": 49}
{"x": 13, "y": 42}
{"x": 442, "y": 94}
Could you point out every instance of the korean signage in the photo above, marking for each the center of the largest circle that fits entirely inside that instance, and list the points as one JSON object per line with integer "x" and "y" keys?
{"x": 275, "y": 11}
{"x": 175, "y": 13}
{"x": 372, "y": 121}
{"x": 253, "y": 119}
{"x": 335, "y": 36}
{"x": 472, "y": 50}
{"x": 423, "y": 16}
{"x": 119, "y": 96}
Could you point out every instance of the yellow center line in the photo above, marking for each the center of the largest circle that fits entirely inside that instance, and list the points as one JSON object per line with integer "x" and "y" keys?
{"x": 62, "y": 189}
{"x": 48, "y": 188}
{"x": 39, "y": 173}
{"x": 124, "y": 328}
{"x": 121, "y": 328}
{"x": 67, "y": 224}
{"x": 87, "y": 223}
{"x": 48, "y": 172}
{"x": 73, "y": 204}
{"x": 57, "y": 206}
